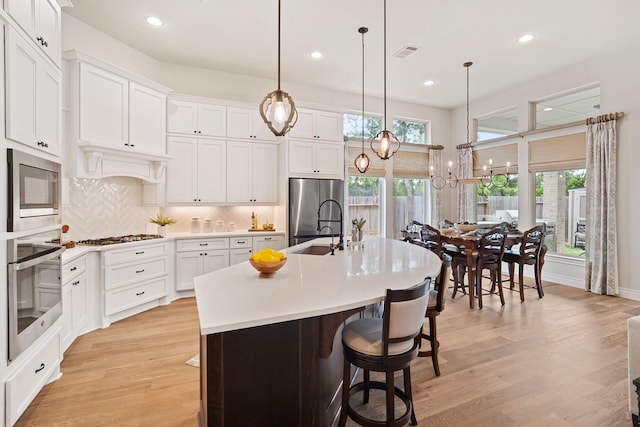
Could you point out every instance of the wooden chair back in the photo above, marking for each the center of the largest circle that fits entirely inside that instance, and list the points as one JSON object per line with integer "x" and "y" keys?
{"x": 441, "y": 283}
{"x": 531, "y": 243}
{"x": 491, "y": 247}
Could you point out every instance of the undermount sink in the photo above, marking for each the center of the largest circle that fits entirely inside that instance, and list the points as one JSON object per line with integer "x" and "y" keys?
{"x": 315, "y": 250}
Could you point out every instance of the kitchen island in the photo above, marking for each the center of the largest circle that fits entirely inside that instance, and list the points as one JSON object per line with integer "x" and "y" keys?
{"x": 270, "y": 353}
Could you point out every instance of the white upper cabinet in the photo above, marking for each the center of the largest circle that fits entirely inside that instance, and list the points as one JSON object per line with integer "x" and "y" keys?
{"x": 104, "y": 107}
{"x": 196, "y": 119}
{"x": 317, "y": 125}
{"x": 33, "y": 96}
{"x": 120, "y": 113}
{"x": 252, "y": 172}
{"x": 316, "y": 159}
{"x": 196, "y": 172}
{"x": 147, "y": 113}
{"x": 40, "y": 19}
{"x": 248, "y": 124}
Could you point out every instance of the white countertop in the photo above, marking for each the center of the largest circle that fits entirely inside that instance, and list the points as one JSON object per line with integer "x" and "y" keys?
{"x": 309, "y": 285}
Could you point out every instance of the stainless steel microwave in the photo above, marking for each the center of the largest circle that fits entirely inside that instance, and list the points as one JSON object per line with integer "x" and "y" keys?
{"x": 34, "y": 191}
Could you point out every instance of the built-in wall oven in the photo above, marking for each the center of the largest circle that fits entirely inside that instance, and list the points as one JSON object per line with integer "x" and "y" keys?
{"x": 34, "y": 287}
{"x": 33, "y": 190}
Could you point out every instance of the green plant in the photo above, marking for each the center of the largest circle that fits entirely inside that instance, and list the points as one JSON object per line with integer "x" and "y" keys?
{"x": 162, "y": 220}
{"x": 358, "y": 223}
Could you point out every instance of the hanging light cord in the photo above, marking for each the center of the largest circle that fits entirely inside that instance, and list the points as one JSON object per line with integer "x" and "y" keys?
{"x": 362, "y": 32}
{"x": 385, "y": 64}
{"x": 278, "y": 44}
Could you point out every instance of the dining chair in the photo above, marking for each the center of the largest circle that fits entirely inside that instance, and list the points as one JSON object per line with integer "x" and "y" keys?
{"x": 385, "y": 345}
{"x": 529, "y": 253}
{"x": 491, "y": 247}
{"x": 435, "y": 307}
{"x": 430, "y": 236}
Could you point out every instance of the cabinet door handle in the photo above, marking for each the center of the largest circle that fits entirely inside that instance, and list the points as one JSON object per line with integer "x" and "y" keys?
{"x": 241, "y": 242}
{"x": 73, "y": 268}
{"x": 195, "y": 131}
{"x": 267, "y": 238}
{"x": 140, "y": 271}
{"x": 76, "y": 283}
{"x": 40, "y": 368}
{"x": 139, "y": 293}
{"x": 204, "y": 244}
{"x": 139, "y": 253}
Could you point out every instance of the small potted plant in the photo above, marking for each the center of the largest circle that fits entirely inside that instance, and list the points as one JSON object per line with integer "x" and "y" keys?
{"x": 162, "y": 221}
{"x": 356, "y": 231}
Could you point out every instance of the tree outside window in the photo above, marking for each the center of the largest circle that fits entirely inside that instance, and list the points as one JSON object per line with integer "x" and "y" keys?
{"x": 412, "y": 132}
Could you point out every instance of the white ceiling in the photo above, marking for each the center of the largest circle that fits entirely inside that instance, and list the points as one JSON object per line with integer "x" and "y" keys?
{"x": 240, "y": 36}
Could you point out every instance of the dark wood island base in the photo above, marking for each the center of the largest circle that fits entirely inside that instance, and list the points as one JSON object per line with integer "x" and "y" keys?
{"x": 282, "y": 374}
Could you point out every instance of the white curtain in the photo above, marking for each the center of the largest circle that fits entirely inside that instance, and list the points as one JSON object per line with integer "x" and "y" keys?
{"x": 601, "y": 255}
{"x": 467, "y": 192}
{"x": 437, "y": 194}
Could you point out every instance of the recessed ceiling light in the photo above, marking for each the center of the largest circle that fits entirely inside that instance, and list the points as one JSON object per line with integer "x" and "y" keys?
{"x": 547, "y": 109}
{"x": 526, "y": 38}
{"x": 429, "y": 83}
{"x": 316, "y": 55}
{"x": 152, "y": 20}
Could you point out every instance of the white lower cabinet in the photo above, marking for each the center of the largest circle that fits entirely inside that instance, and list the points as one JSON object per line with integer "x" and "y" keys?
{"x": 26, "y": 382}
{"x": 74, "y": 300}
{"x": 195, "y": 257}
{"x": 273, "y": 242}
{"x": 134, "y": 276}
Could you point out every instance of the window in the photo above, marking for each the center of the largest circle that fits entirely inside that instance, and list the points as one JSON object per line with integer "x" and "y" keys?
{"x": 412, "y": 132}
{"x": 352, "y": 125}
{"x": 497, "y": 125}
{"x": 568, "y": 108}
{"x": 411, "y": 201}
{"x": 561, "y": 207}
{"x": 365, "y": 196}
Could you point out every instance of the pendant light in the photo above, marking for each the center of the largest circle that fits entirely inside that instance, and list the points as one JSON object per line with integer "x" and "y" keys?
{"x": 362, "y": 162}
{"x": 277, "y": 108}
{"x": 389, "y": 144}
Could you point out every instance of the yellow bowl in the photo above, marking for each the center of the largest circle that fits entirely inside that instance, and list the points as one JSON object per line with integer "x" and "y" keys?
{"x": 267, "y": 269}
{"x": 465, "y": 228}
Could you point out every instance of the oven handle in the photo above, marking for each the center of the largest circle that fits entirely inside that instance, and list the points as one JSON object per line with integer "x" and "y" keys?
{"x": 17, "y": 266}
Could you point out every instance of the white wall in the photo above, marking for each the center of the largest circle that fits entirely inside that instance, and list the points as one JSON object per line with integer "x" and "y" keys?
{"x": 617, "y": 73}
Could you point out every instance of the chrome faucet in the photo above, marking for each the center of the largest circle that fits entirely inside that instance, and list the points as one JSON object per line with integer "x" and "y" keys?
{"x": 341, "y": 241}
{"x": 331, "y": 245}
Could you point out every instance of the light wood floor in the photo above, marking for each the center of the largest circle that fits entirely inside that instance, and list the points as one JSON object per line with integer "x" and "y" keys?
{"x": 558, "y": 361}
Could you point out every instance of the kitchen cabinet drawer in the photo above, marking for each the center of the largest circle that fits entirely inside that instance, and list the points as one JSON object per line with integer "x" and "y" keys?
{"x": 137, "y": 253}
{"x": 73, "y": 268}
{"x": 273, "y": 242}
{"x": 125, "y": 274}
{"x": 241, "y": 242}
{"x": 131, "y": 296}
{"x": 237, "y": 256}
{"x": 201, "y": 244}
{"x": 23, "y": 386}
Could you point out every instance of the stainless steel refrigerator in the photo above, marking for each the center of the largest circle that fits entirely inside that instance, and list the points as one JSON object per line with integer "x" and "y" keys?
{"x": 306, "y": 196}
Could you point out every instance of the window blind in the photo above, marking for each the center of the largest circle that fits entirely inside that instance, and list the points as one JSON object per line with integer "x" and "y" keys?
{"x": 499, "y": 155}
{"x": 411, "y": 164}
{"x": 559, "y": 153}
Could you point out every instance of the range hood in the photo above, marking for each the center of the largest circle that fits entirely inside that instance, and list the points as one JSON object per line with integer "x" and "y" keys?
{"x": 97, "y": 161}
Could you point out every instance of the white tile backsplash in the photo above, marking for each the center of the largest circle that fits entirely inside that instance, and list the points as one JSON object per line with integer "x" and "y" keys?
{"x": 113, "y": 206}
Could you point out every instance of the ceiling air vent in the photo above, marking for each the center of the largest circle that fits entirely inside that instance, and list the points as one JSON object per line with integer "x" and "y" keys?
{"x": 405, "y": 51}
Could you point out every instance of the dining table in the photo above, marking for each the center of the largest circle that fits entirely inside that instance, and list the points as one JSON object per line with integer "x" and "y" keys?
{"x": 467, "y": 245}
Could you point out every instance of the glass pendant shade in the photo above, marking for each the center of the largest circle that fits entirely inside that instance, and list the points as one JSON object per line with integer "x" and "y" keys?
{"x": 362, "y": 162}
{"x": 388, "y": 145}
{"x": 279, "y": 112}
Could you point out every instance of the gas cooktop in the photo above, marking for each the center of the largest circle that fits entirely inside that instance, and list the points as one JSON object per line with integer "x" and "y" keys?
{"x": 119, "y": 239}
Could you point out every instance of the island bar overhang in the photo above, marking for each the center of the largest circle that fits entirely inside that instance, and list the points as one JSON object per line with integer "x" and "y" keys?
{"x": 271, "y": 352}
